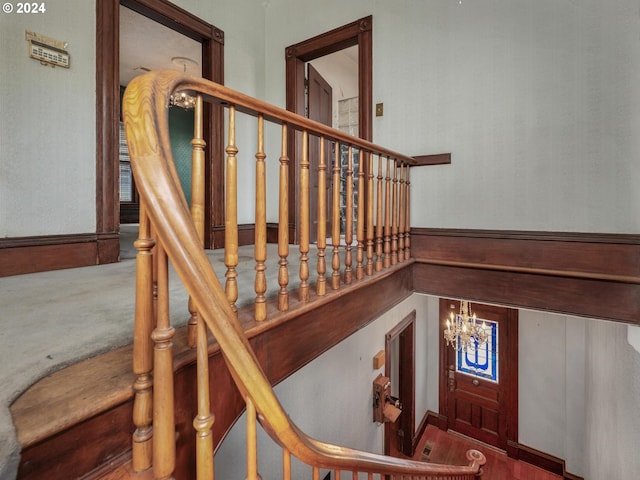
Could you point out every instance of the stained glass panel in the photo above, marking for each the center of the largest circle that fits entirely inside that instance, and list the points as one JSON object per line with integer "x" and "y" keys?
{"x": 481, "y": 360}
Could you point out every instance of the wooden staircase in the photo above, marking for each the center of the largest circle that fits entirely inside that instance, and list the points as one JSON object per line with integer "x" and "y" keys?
{"x": 223, "y": 340}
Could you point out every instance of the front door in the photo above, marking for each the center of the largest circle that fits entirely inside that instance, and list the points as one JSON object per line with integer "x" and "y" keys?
{"x": 478, "y": 387}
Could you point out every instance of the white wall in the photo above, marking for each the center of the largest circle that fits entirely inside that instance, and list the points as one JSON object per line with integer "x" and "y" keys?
{"x": 47, "y": 139}
{"x": 551, "y": 389}
{"x": 537, "y": 101}
{"x": 330, "y": 402}
{"x": 578, "y": 393}
{"x": 47, "y": 153}
{"x": 612, "y": 426}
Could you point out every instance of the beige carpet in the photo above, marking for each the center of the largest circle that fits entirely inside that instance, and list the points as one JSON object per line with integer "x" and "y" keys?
{"x": 53, "y": 319}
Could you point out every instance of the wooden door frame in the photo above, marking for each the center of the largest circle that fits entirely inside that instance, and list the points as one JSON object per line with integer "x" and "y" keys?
{"x": 509, "y": 375}
{"x": 108, "y": 107}
{"x": 360, "y": 33}
{"x": 406, "y": 382}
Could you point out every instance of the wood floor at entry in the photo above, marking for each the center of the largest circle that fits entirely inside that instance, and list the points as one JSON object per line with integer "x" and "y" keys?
{"x": 438, "y": 446}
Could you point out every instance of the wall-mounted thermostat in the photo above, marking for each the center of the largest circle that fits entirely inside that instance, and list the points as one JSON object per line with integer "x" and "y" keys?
{"x": 48, "y": 50}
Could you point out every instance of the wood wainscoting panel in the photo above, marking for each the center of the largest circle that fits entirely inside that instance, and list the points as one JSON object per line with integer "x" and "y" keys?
{"x": 592, "y": 275}
{"x": 56, "y": 252}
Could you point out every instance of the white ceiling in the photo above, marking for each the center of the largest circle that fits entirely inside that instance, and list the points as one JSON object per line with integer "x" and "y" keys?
{"x": 146, "y": 43}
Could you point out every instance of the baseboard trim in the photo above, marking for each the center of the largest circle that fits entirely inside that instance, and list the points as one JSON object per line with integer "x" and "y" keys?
{"x": 542, "y": 460}
{"x": 20, "y": 255}
{"x": 435, "y": 419}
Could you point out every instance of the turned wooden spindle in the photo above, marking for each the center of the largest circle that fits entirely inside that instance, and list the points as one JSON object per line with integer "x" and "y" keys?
{"x": 348, "y": 229}
{"x": 321, "y": 284}
{"x": 360, "y": 219}
{"x": 197, "y": 199}
{"x": 164, "y": 442}
{"x": 379, "y": 224}
{"x": 286, "y": 464}
{"x": 335, "y": 220}
{"x": 303, "y": 290}
{"x": 401, "y": 215}
{"x": 283, "y": 225}
{"x": 231, "y": 214}
{"x": 252, "y": 441}
{"x": 143, "y": 347}
{"x": 204, "y": 420}
{"x": 407, "y": 222}
{"x": 260, "y": 240}
{"x": 394, "y": 216}
{"x": 370, "y": 209}
{"x": 387, "y": 216}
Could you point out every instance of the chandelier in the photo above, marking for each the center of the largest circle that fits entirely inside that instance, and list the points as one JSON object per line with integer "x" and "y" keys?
{"x": 183, "y": 99}
{"x": 463, "y": 330}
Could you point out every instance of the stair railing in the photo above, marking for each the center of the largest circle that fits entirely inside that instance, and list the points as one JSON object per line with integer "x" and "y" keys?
{"x": 169, "y": 229}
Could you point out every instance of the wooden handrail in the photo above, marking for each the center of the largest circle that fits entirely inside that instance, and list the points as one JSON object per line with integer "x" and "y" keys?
{"x": 145, "y": 106}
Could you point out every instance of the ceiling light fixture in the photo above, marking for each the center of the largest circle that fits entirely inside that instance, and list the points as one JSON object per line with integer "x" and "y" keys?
{"x": 182, "y": 98}
{"x": 464, "y": 331}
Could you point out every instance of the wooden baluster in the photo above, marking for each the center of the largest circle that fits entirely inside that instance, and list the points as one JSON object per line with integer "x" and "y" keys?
{"x": 204, "y": 419}
{"x": 260, "y": 242}
{"x": 303, "y": 290}
{"x": 401, "y": 215}
{"x": 355, "y": 475}
{"x": 286, "y": 464}
{"x": 316, "y": 473}
{"x": 370, "y": 210}
{"x": 335, "y": 220}
{"x": 348, "y": 231}
{"x": 407, "y": 222}
{"x": 387, "y": 216}
{"x": 379, "y": 224}
{"x": 321, "y": 284}
{"x": 283, "y": 226}
{"x": 252, "y": 441}
{"x": 394, "y": 219}
{"x": 164, "y": 441}
{"x": 336, "y": 474}
{"x": 231, "y": 214}
{"x": 143, "y": 348}
{"x": 197, "y": 200}
{"x": 361, "y": 215}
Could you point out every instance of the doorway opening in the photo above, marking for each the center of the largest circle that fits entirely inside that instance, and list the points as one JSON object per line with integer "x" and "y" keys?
{"x": 399, "y": 436}
{"x": 211, "y": 40}
{"x": 317, "y": 51}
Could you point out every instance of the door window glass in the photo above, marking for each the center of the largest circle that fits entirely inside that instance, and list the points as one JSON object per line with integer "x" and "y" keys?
{"x": 481, "y": 360}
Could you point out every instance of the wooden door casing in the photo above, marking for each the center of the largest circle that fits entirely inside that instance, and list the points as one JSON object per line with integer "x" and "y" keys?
{"x": 400, "y": 437}
{"x": 476, "y": 407}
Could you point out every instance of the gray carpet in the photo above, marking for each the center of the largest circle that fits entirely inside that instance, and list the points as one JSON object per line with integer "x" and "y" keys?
{"x": 53, "y": 319}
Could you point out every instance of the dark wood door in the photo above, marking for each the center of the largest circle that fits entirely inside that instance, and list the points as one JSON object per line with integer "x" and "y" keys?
{"x": 478, "y": 389}
{"x": 320, "y": 109}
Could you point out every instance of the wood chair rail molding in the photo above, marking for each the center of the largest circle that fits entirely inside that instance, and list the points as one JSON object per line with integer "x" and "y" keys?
{"x": 433, "y": 159}
{"x": 590, "y": 274}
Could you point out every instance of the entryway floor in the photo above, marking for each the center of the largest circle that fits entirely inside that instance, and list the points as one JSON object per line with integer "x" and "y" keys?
{"x": 438, "y": 446}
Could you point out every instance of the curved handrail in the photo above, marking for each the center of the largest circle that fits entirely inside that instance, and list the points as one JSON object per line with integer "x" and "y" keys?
{"x": 145, "y": 106}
